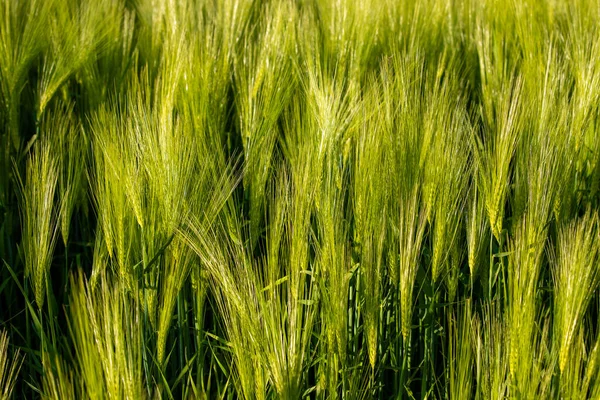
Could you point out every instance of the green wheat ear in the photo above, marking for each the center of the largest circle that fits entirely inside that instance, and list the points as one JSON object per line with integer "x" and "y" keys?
{"x": 496, "y": 217}
{"x": 576, "y": 278}
{"x": 105, "y": 324}
{"x": 9, "y": 367}
{"x": 39, "y": 217}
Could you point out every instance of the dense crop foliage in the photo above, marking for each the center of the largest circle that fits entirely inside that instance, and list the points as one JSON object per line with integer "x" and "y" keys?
{"x": 287, "y": 199}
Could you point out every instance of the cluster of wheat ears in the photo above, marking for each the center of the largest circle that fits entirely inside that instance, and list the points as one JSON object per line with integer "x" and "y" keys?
{"x": 286, "y": 199}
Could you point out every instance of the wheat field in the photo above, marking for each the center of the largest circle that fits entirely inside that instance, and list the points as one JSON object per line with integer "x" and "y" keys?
{"x": 299, "y": 199}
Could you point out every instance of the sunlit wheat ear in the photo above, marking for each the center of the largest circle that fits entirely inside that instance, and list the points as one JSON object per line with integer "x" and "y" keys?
{"x": 21, "y": 40}
{"x": 63, "y": 130}
{"x": 410, "y": 234}
{"x": 461, "y": 350}
{"x": 370, "y": 208}
{"x": 402, "y": 116}
{"x": 447, "y": 172}
{"x": 117, "y": 182}
{"x": 577, "y": 277}
{"x": 477, "y": 226}
{"x": 332, "y": 106}
{"x": 9, "y": 367}
{"x": 491, "y": 353}
{"x": 287, "y": 292}
{"x": 105, "y": 324}
{"x": 39, "y": 217}
{"x": 584, "y": 68}
{"x": 78, "y": 32}
{"x": 501, "y": 110}
{"x": 592, "y": 378}
{"x": 58, "y": 381}
{"x": 264, "y": 81}
{"x": 579, "y": 375}
{"x": 497, "y": 155}
{"x": 233, "y": 280}
{"x": 237, "y": 298}
{"x": 527, "y": 323}
{"x": 177, "y": 263}
{"x": 543, "y": 164}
